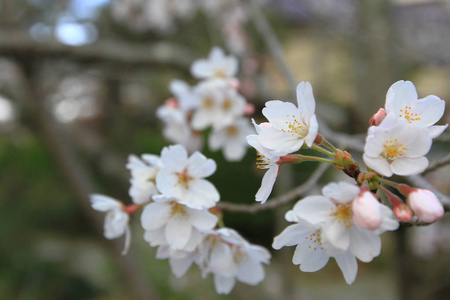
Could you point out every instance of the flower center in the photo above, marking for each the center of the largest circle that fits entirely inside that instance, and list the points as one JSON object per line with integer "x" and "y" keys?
{"x": 184, "y": 178}
{"x": 406, "y": 113}
{"x": 177, "y": 209}
{"x": 315, "y": 240}
{"x": 207, "y": 103}
{"x": 296, "y": 127}
{"x": 219, "y": 73}
{"x": 344, "y": 214}
{"x": 393, "y": 149}
{"x": 226, "y": 105}
{"x": 232, "y": 130}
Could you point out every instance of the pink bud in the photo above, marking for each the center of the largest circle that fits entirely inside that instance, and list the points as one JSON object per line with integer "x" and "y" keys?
{"x": 403, "y": 212}
{"x": 425, "y": 205}
{"x": 234, "y": 83}
{"x": 171, "y": 102}
{"x": 367, "y": 211}
{"x": 249, "y": 109}
{"x": 378, "y": 117}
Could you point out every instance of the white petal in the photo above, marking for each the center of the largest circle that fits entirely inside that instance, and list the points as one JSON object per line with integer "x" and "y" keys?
{"x": 342, "y": 191}
{"x": 155, "y": 237}
{"x": 335, "y": 236}
{"x": 279, "y": 141}
{"x": 178, "y": 232}
{"x": 155, "y": 215}
{"x": 291, "y": 235}
{"x": 202, "y": 194}
{"x": 221, "y": 260}
{"x": 305, "y": 99}
{"x": 202, "y": 219}
{"x": 223, "y": 284}
{"x": 104, "y": 203}
{"x": 312, "y": 131}
{"x": 250, "y": 272}
{"x": 378, "y": 164}
{"x": 116, "y": 222}
{"x": 388, "y": 222}
{"x": 416, "y": 140}
{"x": 179, "y": 267}
{"x": 216, "y": 140}
{"x": 365, "y": 244}
{"x": 310, "y": 258}
{"x": 127, "y": 241}
{"x": 200, "y": 167}
{"x": 201, "y": 69}
{"x": 174, "y": 157}
{"x": 435, "y": 131}
{"x": 405, "y": 166}
{"x": 277, "y": 113}
{"x": 267, "y": 184}
{"x": 313, "y": 209}
{"x": 431, "y": 108}
{"x": 348, "y": 265}
{"x": 400, "y": 94}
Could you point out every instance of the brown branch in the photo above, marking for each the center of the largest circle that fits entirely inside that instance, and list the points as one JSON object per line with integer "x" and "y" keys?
{"x": 277, "y": 201}
{"x": 19, "y": 44}
{"x": 443, "y": 161}
{"x": 79, "y": 180}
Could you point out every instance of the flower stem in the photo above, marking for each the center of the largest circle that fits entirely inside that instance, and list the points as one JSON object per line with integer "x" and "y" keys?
{"x": 320, "y": 149}
{"x": 329, "y": 145}
{"x": 316, "y": 158}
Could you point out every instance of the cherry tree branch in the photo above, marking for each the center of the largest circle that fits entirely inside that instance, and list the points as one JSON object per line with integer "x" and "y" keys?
{"x": 15, "y": 43}
{"x": 439, "y": 163}
{"x": 280, "y": 200}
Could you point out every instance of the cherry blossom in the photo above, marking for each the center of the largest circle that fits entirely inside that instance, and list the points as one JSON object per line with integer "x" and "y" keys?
{"x": 143, "y": 176}
{"x": 291, "y": 127}
{"x": 397, "y": 147}
{"x": 168, "y": 222}
{"x": 217, "y": 65}
{"x": 232, "y": 139}
{"x": 182, "y": 177}
{"x": 402, "y": 100}
{"x": 310, "y": 253}
{"x": 340, "y": 232}
{"x": 116, "y": 219}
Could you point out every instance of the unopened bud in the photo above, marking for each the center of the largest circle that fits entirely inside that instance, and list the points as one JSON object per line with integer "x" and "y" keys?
{"x": 234, "y": 83}
{"x": 249, "y": 109}
{"x": 367, "y": 211}
{"x": 425, "y": 205}
{"x": 403, "y": 212}
{"x": 378, "y": 117}
{"x": 171, "y": 102}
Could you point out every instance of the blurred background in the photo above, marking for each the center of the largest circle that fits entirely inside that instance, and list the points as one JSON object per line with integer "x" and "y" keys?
{"x": 80, "y": 81}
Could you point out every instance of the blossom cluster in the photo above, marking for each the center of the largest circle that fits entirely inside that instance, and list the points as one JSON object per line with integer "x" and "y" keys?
{"x": 176, "y": 199}
{"x": 345, "y": 223}
{"x": 213, "y": 103}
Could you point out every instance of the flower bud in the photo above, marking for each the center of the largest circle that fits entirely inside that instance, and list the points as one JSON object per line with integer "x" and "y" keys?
{"x": 367, "y": 211}
{"x": 378, "y": 117}
{"x": 425, "y": 205}
{"x": 249, "y": 109}
{"x": 403, "y": 212}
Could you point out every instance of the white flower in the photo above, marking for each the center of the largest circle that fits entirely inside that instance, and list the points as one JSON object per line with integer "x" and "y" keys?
{"x": 231, "y": 107}
{"x": 143, "y": 176}
{"x": 168, "y": 222}
{"x": 230, "y": 257}
{"x": 232, "y": 139}
{"x": 116, "y": 219}
{"x": 208, "y": 111}
{"x": 339, "y": 231}
{"x": 217, "y": 65}
{"x": 291, "y": 126}
{"x": 184, "y": 94}
{"x": 182, "y": 178}
{"x": 397, "y": 147}
{"x": 310, "y": 253}
{"x": 267, "y": 159}
{"x": 179, "y": 261}
{"x": 402, "y": 100}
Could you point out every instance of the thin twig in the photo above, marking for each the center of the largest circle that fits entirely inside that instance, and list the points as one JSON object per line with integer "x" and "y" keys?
{"x": 437, "y": 164}
{"x": 280, "y": 200}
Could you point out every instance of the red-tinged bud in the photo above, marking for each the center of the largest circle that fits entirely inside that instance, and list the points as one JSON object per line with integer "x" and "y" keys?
{"x": 290, "y": 159}
{"x": 425, "y": 205}
{"x": 378, "y": 117}
{"x": 367, "y": 210}
{"x": 344, "y": 161}
{"x": 249, "y": 109}
{"x": 171, "y": 102}
{"x": 319, "y": 139}
{"x": 234, "y": 83}
{"x": 403, "y": 212}
{"x": 132, "y": 208}
{"x": 216, "y": 211}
